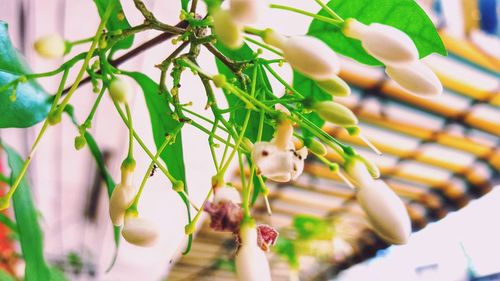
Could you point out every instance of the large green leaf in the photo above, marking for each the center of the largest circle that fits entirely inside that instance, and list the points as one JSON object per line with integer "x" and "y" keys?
{"x": 5, "y": 276}
{"x": 117, "y": 21}
{"x": 405, "y": 15}
{"x": 164, "y": 124}
{"x": 32, "y": 103}
{"x": 30, "y": 233}
{"x": 185, "y": 4}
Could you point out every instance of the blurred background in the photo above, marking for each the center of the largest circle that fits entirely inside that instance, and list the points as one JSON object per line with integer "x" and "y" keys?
{"x": 442, "y": 156}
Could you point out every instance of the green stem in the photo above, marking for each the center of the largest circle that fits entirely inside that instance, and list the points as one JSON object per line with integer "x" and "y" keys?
{"x": 88, "y": 121}
{"x": 130, "y": 134}
{"x": 263, "y": 45}
{"x": 335, "y": 22}
{"x": 89, "y": 55}
{"x": 282, "y": 81}
{"x": 4, "y": 179}
{"x": 329, "y": 11}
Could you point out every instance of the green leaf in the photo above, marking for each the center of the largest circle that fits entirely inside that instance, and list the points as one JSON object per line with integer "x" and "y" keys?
{"x": 310, "y": 90}
{"x": 309, "y": 227}
{"x": 185, "y": 4}
{"x": 405, "y": 15}
{"x": 117, "y": 21}
{"x": 30, "y": 233}
{"x": 8, "y": 222}
{"x": 57, "y": 275}
{"x": 32, "y": 103}
{"x": 164, "y": 124}
{"x": 5, "y": 276}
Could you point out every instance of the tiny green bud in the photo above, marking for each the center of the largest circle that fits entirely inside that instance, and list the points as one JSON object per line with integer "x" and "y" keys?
{"x": 4, "y": 203}
{"x": 372, "y": 168}
{"x": 335, "y": 86}
{"x": 219, "y": 80}
{"x": 103, "y": 43}
{"x": 335, "y": 113}
{"x": 54, "y": 118}
{"x": 353, "y": 131}
{"x": 80, "y": 142}
{"x": 190, "y": 228}
{"x": 178, "y": 186}
{"x": 128, "y": 165}
{"x": 315, "y": 146}
{"x": 120, "y": 16}
{"x": 218, "y": 180}
{"x": 22, "y": 79}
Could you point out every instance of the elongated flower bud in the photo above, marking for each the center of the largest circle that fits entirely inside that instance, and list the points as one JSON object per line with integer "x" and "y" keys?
{"x": 50, "y": 46}
{"x": 120, "y": 91}
{"x": 417, "y": 78}
{"x": 335, "y": 86}
{"x": 386, "y": 43}
{"x": 140, "y": 232}
{"x": 273, "y": 38}
{"x": 335, "y": 113}
{"x": 251, "y": 261}
{"x": 385, "y": 211}
{"x": 226, "y": 193}
{"x": 311, "y": 57}
{"x": 246, "y": 11}
{"x": 121, "y": 198}
{"x": 229, "y": 32}
{"x": 315, "y": 146}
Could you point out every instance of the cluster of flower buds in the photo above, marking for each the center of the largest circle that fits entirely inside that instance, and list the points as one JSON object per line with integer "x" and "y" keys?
{"x": 397, "y": 51}
{"x": 137, "y": 231}
{"x": 386, "y": 212}
{"x": 229, "y": 24}
{"x": 51, "y": 46}
{"x": 278, "y": 159}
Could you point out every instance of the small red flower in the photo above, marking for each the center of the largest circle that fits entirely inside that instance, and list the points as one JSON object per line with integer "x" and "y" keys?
{"x": 225, "y": 216}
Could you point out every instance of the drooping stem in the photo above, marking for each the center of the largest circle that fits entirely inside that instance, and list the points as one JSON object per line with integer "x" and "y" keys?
{"x": 329, "y": 11}
{"x": 335, "y": 22}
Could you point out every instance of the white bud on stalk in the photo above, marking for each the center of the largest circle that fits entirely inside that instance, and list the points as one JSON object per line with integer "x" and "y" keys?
{"x": 417, "y": 78}
{"x": 140, "y": 232}
{"x": 50, "y": 46}
{"x": 335, "y": 113}
{"x": 388, "y": 44}
{"x": 246, "y": 11}
{"x": 386, "y": 212}
{"x": 120, "y": 91}
{"x": 229, "y": 32}
{"x": 251, "y": 261}
{"x": 309, "y": 55}
{"x": 121, "y": 198}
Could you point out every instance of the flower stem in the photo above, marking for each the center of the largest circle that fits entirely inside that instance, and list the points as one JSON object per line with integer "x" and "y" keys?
{"x": 329, "y": 11}
{"x": 263, "y": 45}
{"x": 337, "y": 22}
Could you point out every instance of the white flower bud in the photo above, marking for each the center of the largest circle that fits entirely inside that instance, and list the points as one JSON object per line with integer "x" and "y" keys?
{"x": 335, "y": 113}
{"x": 311, "y": 57}
{"x": 385, "y": 211}
{"x": 273, "y": 38}
{"x": 50, "y": 46}
{"x": 272, "y": 162}
{"x": 389, "y": 45}
{"x": 417, "y": 78}
{"x": 251, "y": 261}
{"x": 121, "y": 198}
{"x": 229, "y": 32}
{"x": 335, "y": 86}
{"x": 226, "y": 193}
{"x": 246, "y": 11}
{"x": 140, "y": 232}
{"x": 120, "y": 91}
